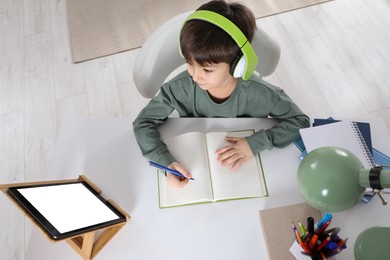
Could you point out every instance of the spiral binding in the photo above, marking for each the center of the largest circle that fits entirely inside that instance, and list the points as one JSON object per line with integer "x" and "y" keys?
{"x": 363, "y": 144}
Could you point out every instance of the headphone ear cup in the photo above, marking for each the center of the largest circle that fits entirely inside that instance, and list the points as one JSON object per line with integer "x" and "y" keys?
{"x": 238, "y": 66}
{"x": 234, "y": 63}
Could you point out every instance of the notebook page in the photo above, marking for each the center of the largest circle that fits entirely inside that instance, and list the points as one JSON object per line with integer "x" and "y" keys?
{"x": 189, "y": 150}
{"x": 340, "y": 134}
{"x": 228, "y": 184}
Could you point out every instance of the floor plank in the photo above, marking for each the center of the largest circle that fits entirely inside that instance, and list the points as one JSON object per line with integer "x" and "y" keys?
{"x": 329, "y": 76}
{"x": 378, "y": 11}
{"x": 357, "y": 68}
{"x": 376, "y": 52}
{"x": 103, "y": 99}
{"x": 123, "y": 65}
{"x": 40, "y": 111}
{"x": 69, "y": 78}
{"x": 36, "y": 16}
{"x": 12, "y": 170}
{"x": 11, "y": 57}
{"x": 40, "y": 108}
{"x": 295, "y": 76}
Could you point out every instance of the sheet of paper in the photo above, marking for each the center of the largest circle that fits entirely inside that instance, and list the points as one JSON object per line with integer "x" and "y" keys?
{"x": 296, "y": 250}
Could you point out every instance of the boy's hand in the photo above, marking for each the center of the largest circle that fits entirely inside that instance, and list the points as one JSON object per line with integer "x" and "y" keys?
{"x": 177, "y": 181}
{"x": 235, "y": 154}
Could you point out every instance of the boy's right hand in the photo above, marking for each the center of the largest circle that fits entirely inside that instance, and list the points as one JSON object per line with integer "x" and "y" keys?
{"x": 177, "y": 181}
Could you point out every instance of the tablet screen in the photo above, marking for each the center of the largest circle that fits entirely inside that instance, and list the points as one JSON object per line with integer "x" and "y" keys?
{"x": 66, "y": 209}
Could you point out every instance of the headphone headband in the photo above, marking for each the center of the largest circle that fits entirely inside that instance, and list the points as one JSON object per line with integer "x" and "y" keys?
{"x": 234, "y": 32}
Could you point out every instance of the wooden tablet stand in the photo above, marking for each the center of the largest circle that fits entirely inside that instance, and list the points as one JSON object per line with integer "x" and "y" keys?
{"x": 87, "y": 245}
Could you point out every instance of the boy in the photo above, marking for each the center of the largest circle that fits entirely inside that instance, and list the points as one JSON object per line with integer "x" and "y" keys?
{"x": 208, "y": 89}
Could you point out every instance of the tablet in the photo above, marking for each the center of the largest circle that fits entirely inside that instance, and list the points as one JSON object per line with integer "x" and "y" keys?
{"x": 64, "y": 210}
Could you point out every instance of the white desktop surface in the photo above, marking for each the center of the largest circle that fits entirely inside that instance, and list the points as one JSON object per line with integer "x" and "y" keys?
{"x": 106, "y": 152}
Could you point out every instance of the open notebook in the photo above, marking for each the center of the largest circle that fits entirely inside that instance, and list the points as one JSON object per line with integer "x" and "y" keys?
{"x": 196, "y": 151}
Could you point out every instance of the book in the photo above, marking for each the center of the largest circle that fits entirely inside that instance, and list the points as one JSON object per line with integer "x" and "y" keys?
{"x": 364, "y": 128}
{"x": 276, "y": 226}
{"x": 196, "y": 152}
{"x": 344, "y": 134}
{"x": 381, "y": 158}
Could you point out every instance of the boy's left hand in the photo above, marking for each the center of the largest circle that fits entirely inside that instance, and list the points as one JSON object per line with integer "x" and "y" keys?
{"x": 235, "y": 154}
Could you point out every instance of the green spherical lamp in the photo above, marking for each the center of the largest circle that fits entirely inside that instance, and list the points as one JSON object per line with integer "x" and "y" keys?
{"x": 333, "y": 179}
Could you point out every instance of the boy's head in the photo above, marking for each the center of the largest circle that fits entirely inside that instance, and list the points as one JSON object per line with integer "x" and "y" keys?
{"x": 206, "y": 43}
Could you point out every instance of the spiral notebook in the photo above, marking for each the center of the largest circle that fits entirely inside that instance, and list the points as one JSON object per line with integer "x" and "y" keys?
{"x": 344, "y": 134}
{"x": 364, "y": 127}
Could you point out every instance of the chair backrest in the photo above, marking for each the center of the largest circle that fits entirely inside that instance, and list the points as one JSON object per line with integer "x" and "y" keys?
{"x": 159, "y": 56}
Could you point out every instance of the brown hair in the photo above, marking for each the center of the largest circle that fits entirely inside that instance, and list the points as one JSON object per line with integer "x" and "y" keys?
{"x": 206, "y": 43}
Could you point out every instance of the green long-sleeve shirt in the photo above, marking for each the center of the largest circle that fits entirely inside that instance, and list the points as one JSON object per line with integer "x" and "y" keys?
{"x": 251, "y": 98}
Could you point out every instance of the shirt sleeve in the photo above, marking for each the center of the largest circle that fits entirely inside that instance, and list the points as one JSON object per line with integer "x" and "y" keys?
{"x": 290, "y": 119}
{"x": 145, "y": 128}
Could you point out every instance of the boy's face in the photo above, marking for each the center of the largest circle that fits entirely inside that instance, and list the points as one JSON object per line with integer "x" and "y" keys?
{"x": 211, "y": 76}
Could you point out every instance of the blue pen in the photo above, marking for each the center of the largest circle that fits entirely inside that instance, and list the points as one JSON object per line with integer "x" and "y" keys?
{"x": 331, "y": 245}
{"x": 322, "y": 222}
{"x": 174, "y": 172}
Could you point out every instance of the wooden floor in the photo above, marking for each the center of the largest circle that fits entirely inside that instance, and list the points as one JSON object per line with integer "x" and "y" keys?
{"x": 335, "y": 62}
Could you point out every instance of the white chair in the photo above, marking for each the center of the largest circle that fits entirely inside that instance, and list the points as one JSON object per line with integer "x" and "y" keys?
{"x": 160, "y": 56}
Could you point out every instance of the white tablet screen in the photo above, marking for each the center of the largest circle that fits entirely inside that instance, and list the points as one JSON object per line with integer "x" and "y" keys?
{"x": 68, "y": 207}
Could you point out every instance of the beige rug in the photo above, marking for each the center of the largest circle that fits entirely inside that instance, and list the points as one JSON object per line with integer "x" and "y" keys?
{"x": 104, "y": 27}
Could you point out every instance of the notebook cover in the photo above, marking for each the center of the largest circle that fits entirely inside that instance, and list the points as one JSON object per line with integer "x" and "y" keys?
{"x": 276, "y": 225}
{"x": 364, "y": 129}
{"x": 379, "y": 157}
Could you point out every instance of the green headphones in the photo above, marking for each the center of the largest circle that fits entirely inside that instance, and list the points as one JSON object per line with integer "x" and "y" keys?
{"x": 244, "y": 64}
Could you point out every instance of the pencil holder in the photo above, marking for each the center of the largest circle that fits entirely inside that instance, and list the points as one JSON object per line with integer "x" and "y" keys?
{"x": 317, "y": 239}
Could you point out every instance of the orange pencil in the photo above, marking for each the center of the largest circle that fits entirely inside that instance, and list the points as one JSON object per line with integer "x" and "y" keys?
{"x": 298, "y": 236}
{"x": 313, "y": 241}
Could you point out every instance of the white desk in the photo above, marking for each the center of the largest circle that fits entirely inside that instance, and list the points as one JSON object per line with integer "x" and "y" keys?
{"x": 105, "y": 150}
